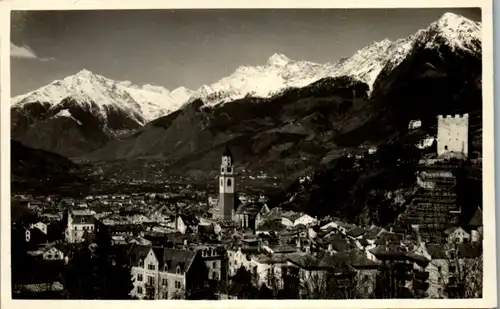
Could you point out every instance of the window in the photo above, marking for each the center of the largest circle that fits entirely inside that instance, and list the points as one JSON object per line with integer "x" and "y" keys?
{"x": 164, "y": 294}
{"x": 222, "y": 170}
{"x": 139, "y": 277}
{"x": 446, "y": 147}
{"x": 452, "y": 268}
{"x": 177, "y": 284}
{"x": 151, "y": 280}
{"x": 151, "y": 267}
{"x": 141, "y": 263}
{"x": 139, "y": 290}
{"x": 214, "y": 276}
{"x": 439, "y": 269}
{"x": 214, "y": 265}
{"x": 164, "y": 281}
{"x": 229, "y": 182}
{"x": 178, "y": 270}
{"x": 439, "y": 280}
{"x": 229, "y": 170}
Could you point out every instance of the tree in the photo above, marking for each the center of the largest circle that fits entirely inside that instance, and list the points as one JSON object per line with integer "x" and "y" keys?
{"x": 274, "y": 281}
{"x": 464, "y": 273}
{"x": 313, "y": 284}
{"x": 242, "y": 286}
{"x": 98, "y": 271}
{"x": 390, "y": 279}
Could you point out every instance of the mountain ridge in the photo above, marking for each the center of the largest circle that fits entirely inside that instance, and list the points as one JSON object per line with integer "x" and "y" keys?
{"x": 378, "y": 67}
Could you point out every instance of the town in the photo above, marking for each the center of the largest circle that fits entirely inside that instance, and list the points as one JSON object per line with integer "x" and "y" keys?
{"x": 228, "y": 244}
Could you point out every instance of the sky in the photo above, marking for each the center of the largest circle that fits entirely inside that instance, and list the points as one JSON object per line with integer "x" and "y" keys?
{"x": 194, "y": 47}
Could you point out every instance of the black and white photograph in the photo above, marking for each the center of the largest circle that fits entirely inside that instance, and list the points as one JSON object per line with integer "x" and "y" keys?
{"x": 249, "y": 154}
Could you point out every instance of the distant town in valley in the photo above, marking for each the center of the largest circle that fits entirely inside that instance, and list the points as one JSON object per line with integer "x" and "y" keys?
{"x": 360, "y": 179}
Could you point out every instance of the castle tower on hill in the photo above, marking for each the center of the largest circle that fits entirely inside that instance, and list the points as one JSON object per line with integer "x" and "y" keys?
{"x": 226, "y": 186}
{"x": 453, "y": 136}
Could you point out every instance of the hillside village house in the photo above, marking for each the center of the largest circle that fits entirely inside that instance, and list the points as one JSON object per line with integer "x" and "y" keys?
{"x": 79, "y": 221}
{"x": 34, "y": 236}
{"x": 41, "y": 226}
{"x": 457, "y": 235}
{"x": 305, "y": 219}
{"x": 55, "y": 253}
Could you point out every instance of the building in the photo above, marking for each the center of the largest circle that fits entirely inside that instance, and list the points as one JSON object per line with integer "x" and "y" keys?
{"x": 453, "y": 135}
{"x": 457, "y": 235}
{"x": 434, "y": 207}
{"x": 215, "y": 259}
{"x": 55, "y": 253}
{"x": 246, "y": 214}
{"x": 41, "y": 226}
{"x": 305, "y": 219}
{"x": 414, "y": 124}
{"x": 164, "y": 273}
{"x": 226, "y": 187}
{"x": 79, "y": 221}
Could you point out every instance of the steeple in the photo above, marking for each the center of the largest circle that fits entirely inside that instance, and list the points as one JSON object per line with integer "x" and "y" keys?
{"x": 226, "y": 186}
{"x": 227, "y": 153}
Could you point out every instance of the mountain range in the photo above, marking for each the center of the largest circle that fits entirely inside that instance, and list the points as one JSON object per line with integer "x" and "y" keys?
{"x": 286, "y": 117}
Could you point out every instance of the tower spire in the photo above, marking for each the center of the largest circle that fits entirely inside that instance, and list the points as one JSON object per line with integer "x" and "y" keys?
{"x": 227, "y": 153}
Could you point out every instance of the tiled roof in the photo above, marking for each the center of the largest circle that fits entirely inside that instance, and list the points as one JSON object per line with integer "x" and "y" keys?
{"x": 477, "y": 219}
{"x": 359, "y": 260}
{"x": 83, "y": 219}
{"x": 338, "y": 242}
{"x": 373, "y": 232}
{"x": 273, "y": 259}
{"x": 436, "y": 251}
{"x": 173, "y": 258}
{"x": 249, "y": 208}
{"x": 356, "y": 231}
{"x": 80, "y": 212}
{"x": 390, "y": 238}
{"x": 283, "y": 249}
{"x": 137, "y": 252}
{"x": 292, "y": 215}
{"x": 469, "y": 250}
{"x": 271, "y": 225}
{"x": 389, "y": 251}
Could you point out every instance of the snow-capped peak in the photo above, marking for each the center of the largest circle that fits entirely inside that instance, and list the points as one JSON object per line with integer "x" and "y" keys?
{"x": 278, "y": 60}
{"x": 84, "y": 73}
{"x": 276, "y": 75}
{"x": 458, "y": 31}
{"x": 143, "y": 103}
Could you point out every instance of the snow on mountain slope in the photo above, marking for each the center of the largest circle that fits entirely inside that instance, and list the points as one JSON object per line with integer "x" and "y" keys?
{"x": 65, "y": 114}
{"x": 276, "y": 75}
{"x": 141, "y": 103}
{"x": 280, "y": 72}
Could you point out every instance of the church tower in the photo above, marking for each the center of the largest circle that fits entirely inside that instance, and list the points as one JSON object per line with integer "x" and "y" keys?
{"x": 226, "y": 186}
